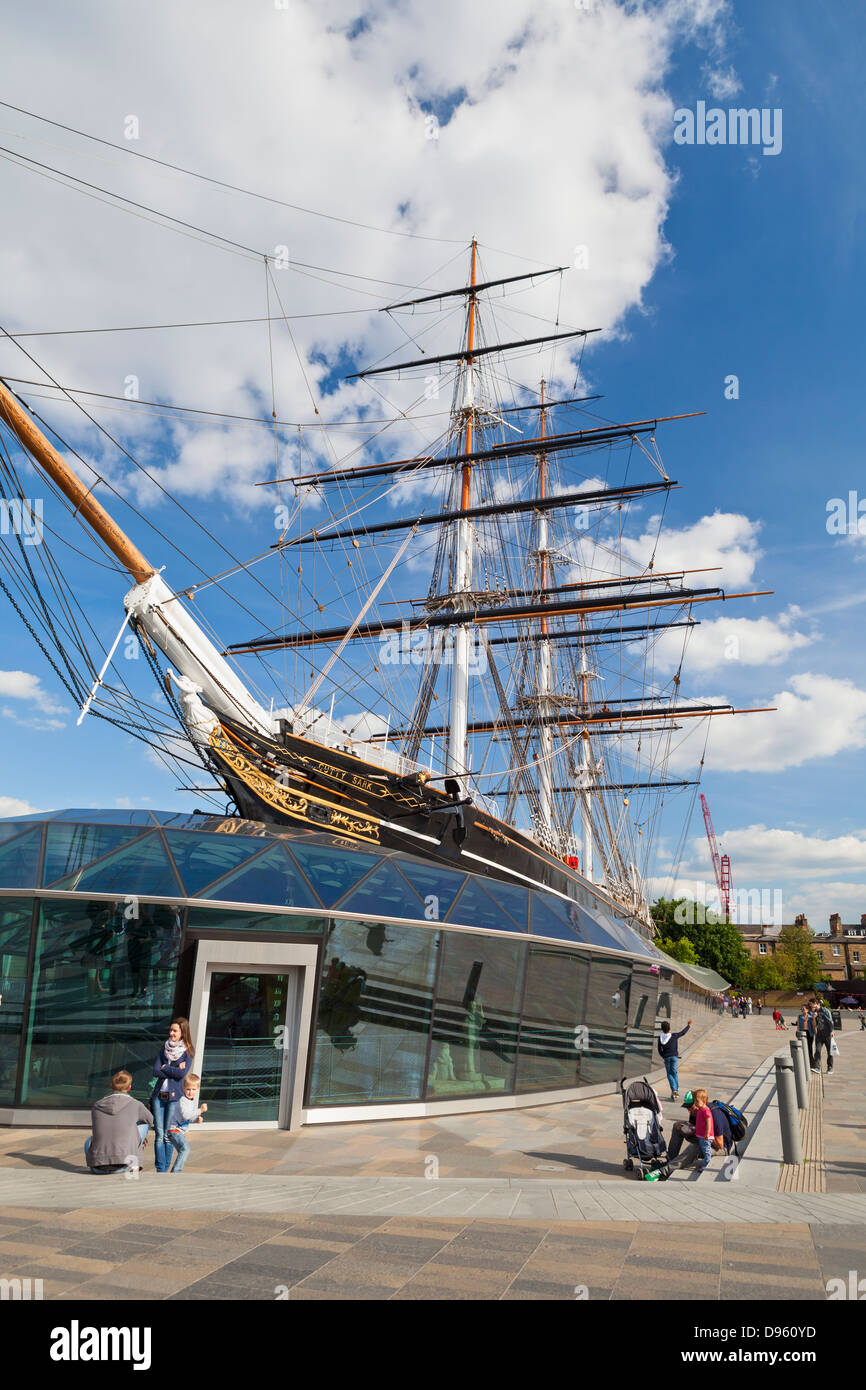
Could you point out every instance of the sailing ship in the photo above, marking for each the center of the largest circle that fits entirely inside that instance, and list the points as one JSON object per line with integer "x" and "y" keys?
{"x": 525, "y": 778}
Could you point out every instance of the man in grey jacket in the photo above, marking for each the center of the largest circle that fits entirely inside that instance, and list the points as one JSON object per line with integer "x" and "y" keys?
{"x": 120, "y": 1124}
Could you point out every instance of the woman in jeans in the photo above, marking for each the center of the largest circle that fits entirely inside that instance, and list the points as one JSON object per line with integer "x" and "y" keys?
{"x": 173, "y": 1064}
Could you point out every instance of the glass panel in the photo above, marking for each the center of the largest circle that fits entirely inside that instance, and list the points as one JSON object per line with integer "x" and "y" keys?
{"x": 605, "y": 1020}
{"x": 552, "y": 1032}
{"x": 385, "y": 891}
{"x": 597, "y": 929}
{"x": 374, "y": 1013}
{"x": 16, "y": 916}
{"x": 88, "y": 816}
{"x": 475, "y": 1020}
{"x": 142, "y": 867}
{"x": 200, "y": 859}
{"x": 224, "y": 919}
{"x": 8, "y": 828}
{"x": 552, "y": 917}
{"x": 242, "y": 1067}
{"x": 332, "y": 870}
{"x": 438, "y": 887}
{"x": 19, "y": 860}
{"x": 272, "y": 878}
{"x": 640, "y": 1038}
{"x": 68, "y": 847}
{"x": 514, "y": 899}
{"x": 476, "y": 908}
{"x": 91, "y": 960}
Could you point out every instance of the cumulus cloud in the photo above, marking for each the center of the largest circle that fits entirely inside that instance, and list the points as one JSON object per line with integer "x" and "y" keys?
{"x": 817, "y": 716}
{"x": 11, "y": 806}
{"x": 720, "y": 643}
{"x": 589, "y": 79}
{"x": 38, "y": 708}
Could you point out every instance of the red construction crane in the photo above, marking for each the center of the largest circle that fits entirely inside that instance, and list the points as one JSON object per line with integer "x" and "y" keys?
{"x": 721, "y": 862}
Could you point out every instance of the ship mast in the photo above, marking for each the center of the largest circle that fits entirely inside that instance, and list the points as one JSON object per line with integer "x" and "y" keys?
{"x": 543, "y": 661}
{"x": 459, "y": 713}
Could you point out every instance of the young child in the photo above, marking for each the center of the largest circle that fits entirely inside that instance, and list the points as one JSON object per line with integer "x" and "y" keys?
{"x": 704, "y": 1132}
{"x": 186, "y": 1112}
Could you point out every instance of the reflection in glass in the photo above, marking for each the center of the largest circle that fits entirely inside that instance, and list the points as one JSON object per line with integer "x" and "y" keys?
{"x": 68, "y": 847}
{"x": 225, "y": 919}
{"x": 103, "y": 993}
{"x": 141, "y": 867}
{"x": 374, "y": 1013}
{"x": 553, "y": 1033}
{"x": 200, "y": 859}
{"x": 333, "y": 869}
{"x": 606, "y": 1014}
{"x": 476, "y": 908}
{"x": 19, "y": 859}
{"x": 271, "y": 878}
{"x": 242, "y": 1065}
{"x": 385, "y": 891}
{"x": 16, "y": 916}
{"x": 475, "y": 1021}
{"x": 640, "y": 1038}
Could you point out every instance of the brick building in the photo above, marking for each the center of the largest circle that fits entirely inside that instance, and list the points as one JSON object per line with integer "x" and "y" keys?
{"x": 842, "y": 948}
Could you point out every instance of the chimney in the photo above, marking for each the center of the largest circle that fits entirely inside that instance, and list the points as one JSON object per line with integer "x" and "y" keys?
{"x": 801, "y": 921}
{"x": 863, "y": 920}
{"x": 835, "y": 924}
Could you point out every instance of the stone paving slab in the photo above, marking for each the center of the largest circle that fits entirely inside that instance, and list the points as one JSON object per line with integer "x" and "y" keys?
{"x": 258, "y": 1193}
{"x": 230, "y": 1257}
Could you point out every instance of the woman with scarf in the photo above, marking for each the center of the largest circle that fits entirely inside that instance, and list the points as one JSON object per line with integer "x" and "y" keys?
{"x": 171, "y": 1068}
{"x": 669, "y": 1051}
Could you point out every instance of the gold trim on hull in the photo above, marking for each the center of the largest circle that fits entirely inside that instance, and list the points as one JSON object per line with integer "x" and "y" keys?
{"x": 290, "y": 802}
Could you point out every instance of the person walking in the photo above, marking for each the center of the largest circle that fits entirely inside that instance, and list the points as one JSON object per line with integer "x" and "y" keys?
{"x": 171, "y": 1067}
{"x": 669, "y": 1051}
{"x": 805, "y": 1030}
{"x": 824, "y": 1037}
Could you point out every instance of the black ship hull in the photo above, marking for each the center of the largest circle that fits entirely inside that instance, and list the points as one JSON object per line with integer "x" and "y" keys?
{"x": 301, "y": 783}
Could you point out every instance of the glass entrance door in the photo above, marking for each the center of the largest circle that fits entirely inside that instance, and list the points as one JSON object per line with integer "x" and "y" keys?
{"x": 245, "y": 1047}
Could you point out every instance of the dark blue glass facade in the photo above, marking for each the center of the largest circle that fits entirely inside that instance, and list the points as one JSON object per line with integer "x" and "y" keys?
{"x": 434, "y": 984}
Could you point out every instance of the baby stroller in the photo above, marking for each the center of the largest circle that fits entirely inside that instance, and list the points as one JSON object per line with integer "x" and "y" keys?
{"x": 644, "y": 1139}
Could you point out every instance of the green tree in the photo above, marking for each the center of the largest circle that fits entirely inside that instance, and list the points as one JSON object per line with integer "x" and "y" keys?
{"x": 681, "y": 950}
{"x": 797, "y": 958}
{"x": 717, "y": 944}
{"x": 763, "y": 973}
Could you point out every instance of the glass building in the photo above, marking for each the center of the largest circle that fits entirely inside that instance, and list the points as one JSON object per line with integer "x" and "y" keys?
{"x": 323, "y": 980}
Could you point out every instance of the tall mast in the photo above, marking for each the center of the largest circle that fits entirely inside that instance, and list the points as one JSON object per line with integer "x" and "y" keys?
{"x": 459, "y": 713}
{"x": 543, "y": 663}
{"x": 585, "y": 762}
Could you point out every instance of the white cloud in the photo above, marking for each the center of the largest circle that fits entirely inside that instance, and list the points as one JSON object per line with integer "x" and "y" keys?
{"x": 719, "y": 644}
{"x": 723, "y": 83}
{"x": 12, "y": 806}
{"x": 40, "y": 709}
{"x": 303, "y": 112}
{"x": 816, "y": 717}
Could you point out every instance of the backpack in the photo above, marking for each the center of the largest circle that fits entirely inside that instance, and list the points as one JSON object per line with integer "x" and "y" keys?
{"x": 736, "y": 1119}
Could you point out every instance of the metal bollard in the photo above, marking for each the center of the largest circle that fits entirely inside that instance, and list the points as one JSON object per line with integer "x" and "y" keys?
{"x": 801, "y": 1076}
{"x": 789, "y": 1115}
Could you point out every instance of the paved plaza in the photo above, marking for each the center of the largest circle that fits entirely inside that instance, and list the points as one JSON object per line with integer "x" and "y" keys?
{"x": 530, "y": 1204}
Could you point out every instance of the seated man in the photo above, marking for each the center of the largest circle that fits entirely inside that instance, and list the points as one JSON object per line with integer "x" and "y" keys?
{"x": 120, "y": 1124}
{"x": 684, "y": 1133}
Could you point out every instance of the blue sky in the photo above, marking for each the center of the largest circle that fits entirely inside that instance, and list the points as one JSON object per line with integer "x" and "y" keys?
{"x": 718, "y": 261}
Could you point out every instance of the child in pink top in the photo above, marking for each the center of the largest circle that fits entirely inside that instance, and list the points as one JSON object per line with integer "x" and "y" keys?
{"x": 703, "y": 1121}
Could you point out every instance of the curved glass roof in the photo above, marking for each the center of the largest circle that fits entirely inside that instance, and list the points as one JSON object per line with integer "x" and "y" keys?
{"x": 224, "y": 859}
